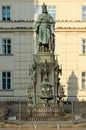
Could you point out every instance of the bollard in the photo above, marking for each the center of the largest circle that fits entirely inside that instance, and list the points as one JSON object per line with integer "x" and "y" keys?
{"x": 57, "y": 126}
{"x": 35, "y": 127}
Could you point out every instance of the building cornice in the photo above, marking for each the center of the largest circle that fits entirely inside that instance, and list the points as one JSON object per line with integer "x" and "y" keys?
{"x": 17, "y": 29}
{"x": 31, "y": 29}
{"x": 35, "y": 21}
{"x": 70, "y": 29}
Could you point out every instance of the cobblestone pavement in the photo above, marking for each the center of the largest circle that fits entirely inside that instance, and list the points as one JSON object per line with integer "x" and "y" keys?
{"x": 42, "y": 128}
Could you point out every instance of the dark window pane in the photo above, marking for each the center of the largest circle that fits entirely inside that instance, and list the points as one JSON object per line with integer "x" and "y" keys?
{"x": 3, "y": 74}
{"x": 8, "y": 74}
{"x": 8, "y": 7}
{"x": 83, "y": 49}
{"x": 8, "y": 86}
{"x": 83, "y": 74}
{"x": 8, "y": 19}
{"x": 9, "y": 81}
{"x": 4, "y": 81}
{"x": 9, "y": 41}
{"x": 4, "y": 19}
{"x": 3, "y": 7}
{"x": 9, "y": 47}
{"x": 4, "y": 86}
{"x": 83, "y": 41}
{"x": 9, "y": 51}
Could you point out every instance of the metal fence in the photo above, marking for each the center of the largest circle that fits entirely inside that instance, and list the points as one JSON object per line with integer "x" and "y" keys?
{"x": 19, "y": 112}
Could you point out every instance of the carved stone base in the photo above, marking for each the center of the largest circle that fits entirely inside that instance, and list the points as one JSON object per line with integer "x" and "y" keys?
{"x": 41, "y": 57}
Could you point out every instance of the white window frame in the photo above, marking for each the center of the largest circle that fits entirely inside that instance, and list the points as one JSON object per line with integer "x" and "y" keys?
{"x": 6, "y": 80}
{"x": 83, "y": 13}
{"x": 6, "y": 46}
{"x": 6, "y": 13}
{"x": 52, "y": 11}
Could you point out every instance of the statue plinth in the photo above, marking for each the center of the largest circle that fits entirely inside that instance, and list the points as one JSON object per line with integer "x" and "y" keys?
{"x": 41, "y": 57}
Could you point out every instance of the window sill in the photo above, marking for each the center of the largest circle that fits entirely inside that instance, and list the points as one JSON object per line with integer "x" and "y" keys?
{"x": 82, "y": 89}
{"x": 82, "y": 54}
{"x": 6, "y": 20}
{"x": 6, "y": 54}
{"x": 6, "y": 90}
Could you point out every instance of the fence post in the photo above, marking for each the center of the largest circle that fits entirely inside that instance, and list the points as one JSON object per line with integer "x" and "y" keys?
{"x": 72, "y": 112}
{"x": 19, "y": 111}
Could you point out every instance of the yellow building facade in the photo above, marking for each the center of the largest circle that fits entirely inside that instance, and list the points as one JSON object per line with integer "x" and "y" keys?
{"x": 17, "y": 38}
